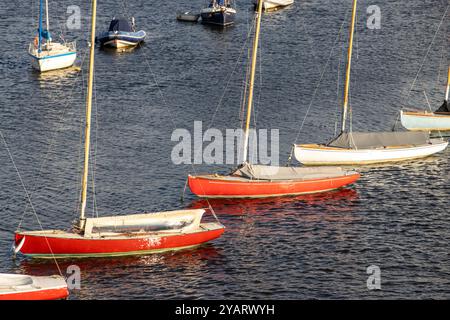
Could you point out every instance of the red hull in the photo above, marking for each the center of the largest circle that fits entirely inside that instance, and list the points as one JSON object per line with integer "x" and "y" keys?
{"x": 221, "y": 188}
{"x": 77, "y": 246}
{"x": 47, "y": 294}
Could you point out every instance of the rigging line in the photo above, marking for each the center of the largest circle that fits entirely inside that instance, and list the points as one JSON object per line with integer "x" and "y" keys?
{"x": 426, "y": 55}
{"x": 164, "y": 100}
{"x": 166, "y": 104}
{"x": 440, "y": 67}
{"x": 258, "y": 101}
{"x": 311, "y": 47}
{"x": 28, "y": 196}
{"x": 53, "y": 139}
{"x": 244, "y": 101}
{"x": 229, "y": 80}
{"x": 336, "y": 111}
{"x": 320, "y": 79}
{"x": 244, "y": 92}
{"x": 94, "y": 165}
{"x": 429, "y": 107}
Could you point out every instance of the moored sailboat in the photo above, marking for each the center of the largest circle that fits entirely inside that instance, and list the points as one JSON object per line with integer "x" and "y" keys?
{"x": 350, "y": 148}
{"x": 260, "y": 181}
{"x": 219, "y": 13}
{"x": 47, "y": 54}
{"x": 438, "y": 120}
{"x": 116, "y": 235}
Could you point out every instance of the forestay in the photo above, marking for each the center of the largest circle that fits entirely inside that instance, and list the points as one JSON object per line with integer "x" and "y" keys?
{"x": 374, "y": 140}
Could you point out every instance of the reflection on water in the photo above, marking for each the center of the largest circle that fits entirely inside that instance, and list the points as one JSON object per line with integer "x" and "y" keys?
{"x": 136, "y": 274}
{"x": 311, "y": 246}
{"x": 331, "y": 201}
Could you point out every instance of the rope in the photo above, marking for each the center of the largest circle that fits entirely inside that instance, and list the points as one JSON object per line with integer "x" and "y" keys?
{"x": 426, "y": 55}
{"x": 429, "y": 107}
{"x": 184, "y": 190}
{"x": 166, "y": 107}
{"x": 229, "y": 79}
{"x": 28, "y": 198}
{"x": 53, "y": 138}
{"x": 213, "y": 213}
{"x": 320, "y": 80}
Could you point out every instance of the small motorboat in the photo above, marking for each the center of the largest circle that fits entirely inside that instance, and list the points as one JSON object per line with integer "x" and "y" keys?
{"x": 274, "y": 5}
{"x": 218, "y": 12}
{"x": 24, "y": 287}
{"x": 188, "y": 16}
{"x": 121, "y": 34}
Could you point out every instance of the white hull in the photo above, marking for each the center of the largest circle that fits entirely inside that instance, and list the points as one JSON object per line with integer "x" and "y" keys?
{"x": 53, "y": 56}
{"x": 53, "y": 63}
{"x": 119, "y": 44}
{"x": 425, "y": 121}
{"x": 272, "y": 5}
{"x": 322, "y": 155}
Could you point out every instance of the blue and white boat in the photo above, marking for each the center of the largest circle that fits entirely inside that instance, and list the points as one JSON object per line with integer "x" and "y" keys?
{"x": 46, "y": 54}
{"x": 121, "y": 34}
{"x": 218, "y": 12}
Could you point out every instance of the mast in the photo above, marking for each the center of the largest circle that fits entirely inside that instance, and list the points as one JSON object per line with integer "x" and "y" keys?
{"x": 40, "y": 26}
{"x": 349, "y": 64}
{"x": 448, "y": 85}
{"x": 46, "y": 18}
{"x": 252, "y": 80}
{"x": 87, "y": 132}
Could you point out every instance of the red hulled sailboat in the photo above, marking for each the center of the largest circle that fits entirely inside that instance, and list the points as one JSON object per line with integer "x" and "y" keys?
{"x": 117, "y": 235}
{"x": 259, "y": 181}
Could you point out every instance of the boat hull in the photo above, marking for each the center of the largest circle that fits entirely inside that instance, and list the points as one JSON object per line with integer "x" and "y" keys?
{"x": 60, "y": 244}
{"x": 425, "y": 121}
{"x": 222, "y": 188}
{"x": 21, "y": 287}
{"x": 49, "y": 63}
{"x": 46, "y": 294}
{"x": 322, "y": 155}
{"x": 219, "y": 17}
{"x": 121, "y": 39}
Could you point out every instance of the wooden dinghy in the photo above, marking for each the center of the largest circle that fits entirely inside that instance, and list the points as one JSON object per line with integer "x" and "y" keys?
{"x": 24, "y": 287}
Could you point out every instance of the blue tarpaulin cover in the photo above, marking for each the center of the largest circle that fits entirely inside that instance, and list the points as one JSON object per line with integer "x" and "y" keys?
{"x": 120, "y": 25}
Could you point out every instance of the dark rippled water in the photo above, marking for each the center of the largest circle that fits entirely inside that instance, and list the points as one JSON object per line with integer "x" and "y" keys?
{"x": 396, "y": 217}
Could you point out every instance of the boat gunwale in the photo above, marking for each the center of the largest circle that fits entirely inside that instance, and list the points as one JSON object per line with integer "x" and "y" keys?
{"x": 61, "y": 234}
{"x": 236, "y": 179}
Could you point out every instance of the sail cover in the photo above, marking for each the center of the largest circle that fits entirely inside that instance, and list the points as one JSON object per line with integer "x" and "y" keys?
{"x": 262, "y": 172}
{"x": 120, "y": 25}
{"x": 444, "y": 107}
{"x": 373, "y": 140}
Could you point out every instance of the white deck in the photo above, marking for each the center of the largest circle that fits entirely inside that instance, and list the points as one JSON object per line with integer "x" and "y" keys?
{"x": 16, "y": 283}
